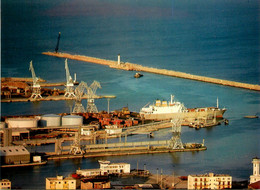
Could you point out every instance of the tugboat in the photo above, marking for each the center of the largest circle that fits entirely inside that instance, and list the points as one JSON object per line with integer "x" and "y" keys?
{"x": 138, "y": 75}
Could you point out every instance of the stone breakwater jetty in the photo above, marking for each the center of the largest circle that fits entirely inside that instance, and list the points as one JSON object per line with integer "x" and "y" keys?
{"x": 135, "y": 67}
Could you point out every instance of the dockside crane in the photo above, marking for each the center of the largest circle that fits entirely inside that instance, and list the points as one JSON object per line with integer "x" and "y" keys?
{"x": 69, "y": 90}
{"x": 91, "y": 107}
{"x": 75, "y": 147}
{"x": 79, "y": 92}
{"x": 175, "y": 142}
{"x": 36, "y": 88}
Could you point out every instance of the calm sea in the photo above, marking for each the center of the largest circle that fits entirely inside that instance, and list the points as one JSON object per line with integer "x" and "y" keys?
{"x": 215, "y": 38}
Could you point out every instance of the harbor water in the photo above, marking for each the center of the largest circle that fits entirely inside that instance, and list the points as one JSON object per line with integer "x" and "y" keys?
{"x": 214, "y": 38}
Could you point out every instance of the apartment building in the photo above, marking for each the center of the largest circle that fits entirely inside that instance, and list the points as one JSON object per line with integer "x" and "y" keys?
{"x": 256, "y": 176}
{"x": 5, "y": 184}
{"x": 210, "y": 181}
{"x": 60, "y": 182}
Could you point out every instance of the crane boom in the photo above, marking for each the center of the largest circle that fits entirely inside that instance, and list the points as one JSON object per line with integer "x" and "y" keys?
{"x": 79, "y": 91}
{"x": 68, "y": 77}
{"x": 35, "y": 79}
{"x": 36, "y": 88}
{"x": 94, "y": 87}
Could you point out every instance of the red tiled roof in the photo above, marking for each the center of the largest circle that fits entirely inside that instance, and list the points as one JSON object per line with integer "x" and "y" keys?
{"x": 255, "y": 185}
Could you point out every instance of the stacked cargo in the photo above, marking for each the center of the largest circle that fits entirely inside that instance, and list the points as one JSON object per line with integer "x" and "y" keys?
{"x": 128, "y": 123}
{"x": 118, "y": 122}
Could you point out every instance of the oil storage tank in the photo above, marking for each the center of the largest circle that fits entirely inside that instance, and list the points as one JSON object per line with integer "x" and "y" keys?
{"x": 75, "y": 120}
{"x": 21, "y": 122}
{"x": 50, "y": 120}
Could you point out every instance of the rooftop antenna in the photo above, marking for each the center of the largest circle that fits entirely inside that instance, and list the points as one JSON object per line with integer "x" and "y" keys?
{"x": 58, "y": 42}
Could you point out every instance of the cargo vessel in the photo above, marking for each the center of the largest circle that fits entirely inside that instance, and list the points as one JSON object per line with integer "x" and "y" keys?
{"x": 163, "y": 110}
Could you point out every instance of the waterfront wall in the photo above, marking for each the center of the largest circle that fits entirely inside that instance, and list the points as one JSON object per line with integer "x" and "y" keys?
{"x": 136, "y": 67}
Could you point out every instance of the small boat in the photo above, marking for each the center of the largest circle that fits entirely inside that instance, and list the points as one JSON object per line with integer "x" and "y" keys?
{"x": 138, "y": 75}
{"x": 251, "y": 116}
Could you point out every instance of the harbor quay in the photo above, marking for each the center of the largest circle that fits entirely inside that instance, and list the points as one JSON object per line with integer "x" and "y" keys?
{"x": 135, "y": 67}
{"x": 109, "y": 174}
{"x": 91, "y": 142}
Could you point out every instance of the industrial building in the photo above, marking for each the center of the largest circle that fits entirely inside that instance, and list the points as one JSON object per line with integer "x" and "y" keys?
{"x": 256, "y": 176}
{"x": 50, "y": 120}
{"x": 210, "y": 181}
{"x": 21, "y": 122}
{"x": 95, "y": 183}
{"x": 60, "y": 182}
{"x": 14, "y": 155}
{"x": 69, "y": 120}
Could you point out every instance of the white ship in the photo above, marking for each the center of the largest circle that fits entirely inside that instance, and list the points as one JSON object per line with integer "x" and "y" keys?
{"x": 163, "y": 110}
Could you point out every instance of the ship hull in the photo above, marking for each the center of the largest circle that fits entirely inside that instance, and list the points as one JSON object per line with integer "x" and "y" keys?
{"x": 189, "y": 115}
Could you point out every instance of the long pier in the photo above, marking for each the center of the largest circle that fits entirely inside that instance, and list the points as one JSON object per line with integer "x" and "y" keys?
{"x": 123, "y": 151}
{"x": 52, "y": 98}
{"x": 135, "y": 67}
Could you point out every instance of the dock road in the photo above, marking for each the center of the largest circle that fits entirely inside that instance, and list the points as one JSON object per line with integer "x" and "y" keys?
{"x": 135, "y": 67}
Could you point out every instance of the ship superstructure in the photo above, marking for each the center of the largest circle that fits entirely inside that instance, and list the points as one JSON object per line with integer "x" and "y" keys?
{"x": 163, "y": 107}
{"x": 163, "y": 110}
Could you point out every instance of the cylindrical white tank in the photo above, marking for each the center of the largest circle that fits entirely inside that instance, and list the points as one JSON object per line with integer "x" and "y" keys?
{"x": 21, "y": 122}
{"x": 50, "y": 120}
{"x": 2, "y": 125}
{"x": 72, "y": 120}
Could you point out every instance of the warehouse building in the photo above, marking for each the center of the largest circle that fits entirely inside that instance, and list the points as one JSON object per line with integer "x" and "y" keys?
{"x": 14, "y": 155}
{"x": 95, "y": 183}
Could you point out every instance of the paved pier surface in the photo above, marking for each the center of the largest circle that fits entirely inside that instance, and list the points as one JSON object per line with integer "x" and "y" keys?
{"x": 16, "y": 79}
{"x": 51, "y": 98}
{"x": 122, "y": 152}
{"x": 135, "y": 67}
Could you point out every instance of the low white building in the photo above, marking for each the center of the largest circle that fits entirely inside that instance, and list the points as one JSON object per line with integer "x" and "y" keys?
{"x": 89, "y": 172}
{"x": 113, "y": 131}
{"x": 106, "y": 168}
{"x": 255, "y": 177}
{"x": 87, "y": 130}
{"x": 37, "y": 159}
{"x": 114, "y": 168}
{"x": 210, "y": 181}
